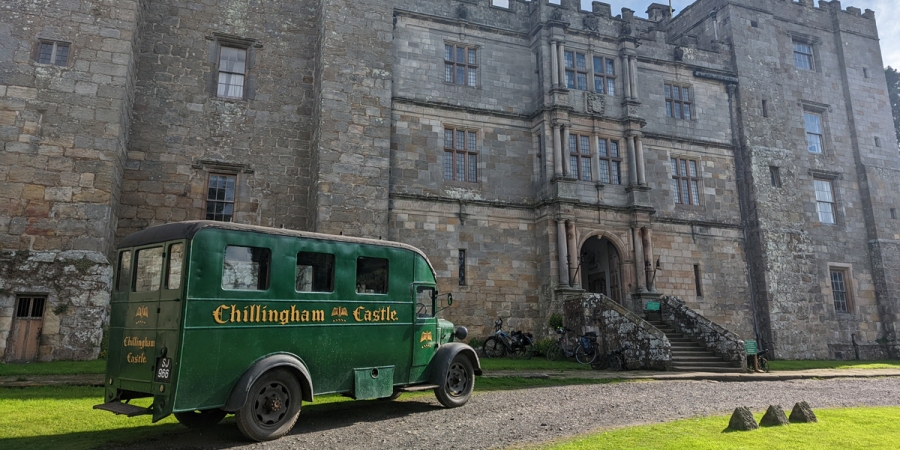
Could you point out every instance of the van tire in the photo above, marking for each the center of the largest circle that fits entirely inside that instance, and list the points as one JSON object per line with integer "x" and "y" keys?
{"x": 457, "y": 382}
{"x": 200, "y": 418}
{"x": 272, "y": 406}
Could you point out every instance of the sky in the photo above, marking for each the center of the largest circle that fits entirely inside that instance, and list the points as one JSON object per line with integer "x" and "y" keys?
{"x": 887, "y": 17}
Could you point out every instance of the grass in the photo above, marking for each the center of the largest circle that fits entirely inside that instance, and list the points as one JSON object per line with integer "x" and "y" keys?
{"x": 54, "y": 368}
{"x": 536, "y": 363}
{"x": 817, "y": 364}
{"x": 849, "y": 428}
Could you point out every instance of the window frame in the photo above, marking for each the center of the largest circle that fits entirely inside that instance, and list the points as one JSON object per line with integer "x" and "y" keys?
{"x": 470, "y": 155}
{"x": 694, "y": 182}
{"x": 607, "y": 80}
{"x": 386, "y": 280}
{"x": 821, "y": 131}
{"x": 328, "y": 263}
{"x": 579, "y": 156}
{"x": 809, "y": 56}
{"x": 832, "y": 203}
{"x": 461, "y": 261}
{"x": 849, "y": 301}
{"x": 572, "y": 68}
{"x": 54, "y": 55}
{"x": 264, "y": 274}
{"x": 219, "y": 71}
{"x": 609, "y": 161}
{"x": 224, "y": 201}
{"x": 469, "y": 68}
{"x": 677, "y": 102}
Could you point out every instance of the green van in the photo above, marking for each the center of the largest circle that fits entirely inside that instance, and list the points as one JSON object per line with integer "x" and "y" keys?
{"x": 211, "y": 318}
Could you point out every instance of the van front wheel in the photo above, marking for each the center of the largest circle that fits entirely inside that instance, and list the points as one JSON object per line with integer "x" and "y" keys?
{"x": 457, "y": 384}
{"x": 200, "y": 419}
{"x": 272, "y": 406}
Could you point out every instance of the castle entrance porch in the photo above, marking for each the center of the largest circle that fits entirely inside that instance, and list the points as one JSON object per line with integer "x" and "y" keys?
{"x": 601, "y": 268}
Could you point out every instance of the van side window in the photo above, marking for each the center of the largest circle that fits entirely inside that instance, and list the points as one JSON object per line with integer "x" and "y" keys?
{"x": 149, "y": 269}
{"x": 424, "y": 302}
{"x": 246, "y": 268}
{"x": 124, "y": 272}
{"x": 371, "y": 275}
{"x": 315, "y": 272}
{"x": 176, "y": 262}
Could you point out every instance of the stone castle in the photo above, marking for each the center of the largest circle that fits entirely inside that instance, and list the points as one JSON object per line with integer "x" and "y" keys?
{"x": 738, "y": 155}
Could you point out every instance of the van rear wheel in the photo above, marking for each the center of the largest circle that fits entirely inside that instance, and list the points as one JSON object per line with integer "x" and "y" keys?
{"x": 200, "y": 419}
{"x": 272, "y": 406}
{"x": 457, "y": 383}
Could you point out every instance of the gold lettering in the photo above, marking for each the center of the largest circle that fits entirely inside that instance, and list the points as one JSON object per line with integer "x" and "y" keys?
{"x": 295, "y": 314}
{"x": 217, "y": 313}
{"x": 393, "y": 315}
{"x": 135, "y": 359}
{"x": 356, "y": 313}
{"x": 304, "y": 316}
{"x": 318, "y": 315}
{"x": 285, "y": 315}
{"x": 235, "y": 314}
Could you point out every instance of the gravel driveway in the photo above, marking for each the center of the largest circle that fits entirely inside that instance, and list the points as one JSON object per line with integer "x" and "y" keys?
{"x": 498, "y": 419}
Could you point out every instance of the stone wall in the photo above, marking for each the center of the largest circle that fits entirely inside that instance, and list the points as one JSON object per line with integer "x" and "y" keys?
{"x": 76, "y": 284}
{"x": 645, "y": 346}
{"x": 64, "y": 128}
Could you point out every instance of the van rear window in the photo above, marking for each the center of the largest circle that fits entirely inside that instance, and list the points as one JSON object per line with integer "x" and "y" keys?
{"x": 149, "y": 269}
{"x": 246, "y": 268}
{"x": 124, "y": 272}
{"x": 315, "y": 272}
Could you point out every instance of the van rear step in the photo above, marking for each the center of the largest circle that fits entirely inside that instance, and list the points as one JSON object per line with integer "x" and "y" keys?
{"x": 124, "y": 408}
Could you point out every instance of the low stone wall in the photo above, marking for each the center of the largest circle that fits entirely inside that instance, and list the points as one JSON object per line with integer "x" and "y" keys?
{"x": 617, "y": 327}
{"x": 714, "y": 337}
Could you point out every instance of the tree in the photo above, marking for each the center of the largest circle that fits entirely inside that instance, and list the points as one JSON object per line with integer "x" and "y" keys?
{"x": 893, "y": 84}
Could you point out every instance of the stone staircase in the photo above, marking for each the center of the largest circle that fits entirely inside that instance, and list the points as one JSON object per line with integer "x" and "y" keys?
{"x": 689, "y": 356}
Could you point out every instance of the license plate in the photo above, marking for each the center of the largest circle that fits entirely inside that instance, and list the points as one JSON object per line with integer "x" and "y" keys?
{"x": 163, "y": 370}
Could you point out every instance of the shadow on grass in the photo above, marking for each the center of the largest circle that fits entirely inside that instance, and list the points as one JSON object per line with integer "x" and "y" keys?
{"x": 225, "y": 435}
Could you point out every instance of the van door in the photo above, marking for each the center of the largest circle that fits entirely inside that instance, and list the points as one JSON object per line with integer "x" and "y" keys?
{"x": 171, "y": 299}
{"x": 139, "y": 320}
{"x": 425, "y": 337}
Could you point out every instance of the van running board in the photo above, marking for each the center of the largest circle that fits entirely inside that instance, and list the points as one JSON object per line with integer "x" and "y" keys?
{"x": 421, "y": 387}
{"x": 124, "y": 408}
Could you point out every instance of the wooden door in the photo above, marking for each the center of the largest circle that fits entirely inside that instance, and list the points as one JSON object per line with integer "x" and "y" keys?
{"x": 25, "y": 335}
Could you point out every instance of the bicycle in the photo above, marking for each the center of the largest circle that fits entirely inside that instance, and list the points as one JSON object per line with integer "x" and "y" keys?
{"x": 584, "y": 349}
{"x": 614, "y": 360}
{"x": 762, "y": 363}
{"x": 517, "y": 344}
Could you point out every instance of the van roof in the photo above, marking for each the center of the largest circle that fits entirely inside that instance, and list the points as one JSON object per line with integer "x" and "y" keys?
{"x": 187, "y": 230}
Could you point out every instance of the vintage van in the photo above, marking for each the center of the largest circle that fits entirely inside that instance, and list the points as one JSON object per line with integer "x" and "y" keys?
{"x": 212, "y": 318}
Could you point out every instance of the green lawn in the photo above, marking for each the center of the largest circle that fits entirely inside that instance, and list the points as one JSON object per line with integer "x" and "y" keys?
{"x": 61, "y": 417}
{"x": 536, "y": 363}
{"x": 849, "y": 428}
{"x": 53, "y": 368}
{"x": 817, "y": 364}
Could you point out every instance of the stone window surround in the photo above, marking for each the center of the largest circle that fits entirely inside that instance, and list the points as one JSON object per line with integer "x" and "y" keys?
{"x": 822, "y": 110}
{"x": 832, "y": 178}
{"x": 609, "y": 160}
{"x": 813, "y": 43}
{"x": 575, "y": 71}
{"x": 671, "y": 100}
{"x": 219, "y": 40}
{"x": 849, "y": 287}
{"x": 676, "y": 194}
{"x": 36, "y": 52}
{"x": 479, "y": 153}
{"x": 476, "y": 65}
{"x": 591, "y": 71}
{"x": 206, "y": 167}
{"x": 580, "y": 154}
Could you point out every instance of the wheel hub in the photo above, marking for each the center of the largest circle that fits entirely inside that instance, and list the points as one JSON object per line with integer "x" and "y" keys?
{"x": 273, "y": 404}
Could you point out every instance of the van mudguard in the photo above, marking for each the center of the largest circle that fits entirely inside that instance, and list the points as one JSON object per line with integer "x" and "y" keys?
{"x": 242, "y": 387}
{"x": 440, "y": 363}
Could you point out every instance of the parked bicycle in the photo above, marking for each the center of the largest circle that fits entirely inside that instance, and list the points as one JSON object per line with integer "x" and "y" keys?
{"x": 517, "y": 344}
{"x": 762, "y": 363}
{"x": 614, "y": 360}
{"x": 584, "y": 349}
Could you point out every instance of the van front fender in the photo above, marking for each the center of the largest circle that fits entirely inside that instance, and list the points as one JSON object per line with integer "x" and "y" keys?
{"x": 241, "y": 389}
{"x": 445, "y": 355}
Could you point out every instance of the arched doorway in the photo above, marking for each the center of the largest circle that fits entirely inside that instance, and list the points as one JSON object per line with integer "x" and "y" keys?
{"x": 601, "y": 268}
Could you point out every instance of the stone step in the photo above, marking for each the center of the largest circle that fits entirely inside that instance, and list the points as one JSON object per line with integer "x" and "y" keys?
{"x": 696, "y": 359}
{"x": 715, "y": 369}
